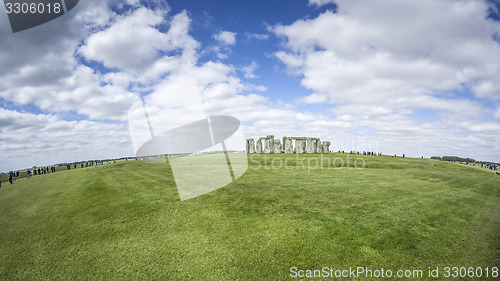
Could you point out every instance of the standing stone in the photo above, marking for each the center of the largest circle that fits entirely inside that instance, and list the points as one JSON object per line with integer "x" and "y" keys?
{"x": 300, "y": 145}
{"x": 326, "y": 147}
{"x": 269, "y": 144}
{"x": 319, "y": 147}
{"x": 288, "y": 143}
{"x": 277, "y": 146}
{"x": 250, "y": 146}
{"x": 258, "y": 146}
{"x": 266, "y": 145}
{"x": 310, "y": 146}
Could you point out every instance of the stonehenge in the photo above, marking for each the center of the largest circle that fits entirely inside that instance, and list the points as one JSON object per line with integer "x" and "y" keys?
{"x": 288, "y": 145}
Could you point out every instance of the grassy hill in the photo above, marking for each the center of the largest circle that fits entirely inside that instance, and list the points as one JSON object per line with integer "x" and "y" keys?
{"x": 125, "y": 221}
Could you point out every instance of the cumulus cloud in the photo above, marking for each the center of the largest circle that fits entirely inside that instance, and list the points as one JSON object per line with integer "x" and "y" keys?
{"x": 226, "y": 37}
{"x": 250, "y": 69}
{"x": 487, "y": 90}
{"x": 315, "y": 98}
{"x": 497, "y": 113}
{"x": 131, "y": 42}
{"x": 44, "y": 139}
{"x": 378, "y": 63}
{"x": 39, "y": 67}
{"x": 371, "y": 67}
{"x": 98, "y": 73}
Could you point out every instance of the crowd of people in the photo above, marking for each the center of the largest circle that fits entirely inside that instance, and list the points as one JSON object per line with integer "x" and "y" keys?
{"x": 490, "y": 166}
{"x": 12, "y": 176}
{"x": 369, "y": 153}
{"x": 31, "y": 172}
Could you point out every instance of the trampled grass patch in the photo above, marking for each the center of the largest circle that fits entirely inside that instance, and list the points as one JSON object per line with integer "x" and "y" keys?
{"x": 125, "y": 221}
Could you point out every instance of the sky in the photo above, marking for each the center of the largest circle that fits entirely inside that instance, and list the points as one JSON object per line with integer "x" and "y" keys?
{"x": 391, "y": 76}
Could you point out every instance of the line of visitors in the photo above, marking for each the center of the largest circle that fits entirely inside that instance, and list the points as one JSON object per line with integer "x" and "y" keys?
{"x": 46, "y": 170}
{"x": 369, "y": 153}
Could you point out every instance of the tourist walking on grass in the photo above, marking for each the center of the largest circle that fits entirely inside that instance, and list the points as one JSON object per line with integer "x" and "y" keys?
{"x": 11, "y": 174}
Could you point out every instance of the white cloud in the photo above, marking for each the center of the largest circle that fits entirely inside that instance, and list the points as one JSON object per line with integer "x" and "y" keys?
{"x": 183, "y": 55}
{"x": 257, "y": 36}
{"x": 293, "y": 62}
{"x": 372, "y": 70}
{"x": 320, "y": 2}
{"x": 43, "y": 71}
{"x": 379, "y": 63}
{"x": 226, "y": 37}
{"x": 42, "y": 139}
{"x": 487, "y": 90}
{"x": 250, "y": 69}
{"x": 315, "y": 98}
{"x": 131, "y": 42}
{"x": 497, "y": 113}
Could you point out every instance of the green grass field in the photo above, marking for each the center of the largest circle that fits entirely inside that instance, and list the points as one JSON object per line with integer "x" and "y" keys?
{"x": 125, "y": 221}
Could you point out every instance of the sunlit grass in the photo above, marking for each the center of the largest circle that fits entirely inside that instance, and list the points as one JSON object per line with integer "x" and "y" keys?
{"x": 125, "y": 220}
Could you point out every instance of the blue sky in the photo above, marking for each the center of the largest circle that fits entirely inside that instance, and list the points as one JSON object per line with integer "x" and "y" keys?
{"x": 414, "y": 77}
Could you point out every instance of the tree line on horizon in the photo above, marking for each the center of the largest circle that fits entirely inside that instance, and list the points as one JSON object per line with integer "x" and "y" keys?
{"x": 459, "y": 159}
